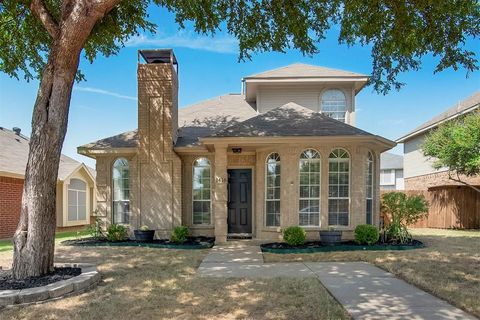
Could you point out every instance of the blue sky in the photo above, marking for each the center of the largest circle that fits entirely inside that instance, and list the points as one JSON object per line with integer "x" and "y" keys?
{"x": 105, "y": 104}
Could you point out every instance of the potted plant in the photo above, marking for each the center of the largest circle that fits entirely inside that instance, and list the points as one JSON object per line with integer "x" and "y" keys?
{"x": 330, "y": 236}
{"x": 144, "y": 234}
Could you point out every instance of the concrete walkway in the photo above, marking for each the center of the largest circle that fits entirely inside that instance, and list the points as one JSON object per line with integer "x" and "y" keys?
{"x": 364, "y": 290}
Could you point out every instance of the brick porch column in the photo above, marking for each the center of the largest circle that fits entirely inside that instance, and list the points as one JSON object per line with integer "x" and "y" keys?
{"x": 220, "y": 196}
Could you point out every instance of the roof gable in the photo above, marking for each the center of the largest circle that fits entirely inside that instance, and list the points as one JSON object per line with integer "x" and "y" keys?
{"x": 14, "y": 156}
{"x": 464, "y": 106}
{"x": 301, "y": 70}
{"x": 290, "y": 119}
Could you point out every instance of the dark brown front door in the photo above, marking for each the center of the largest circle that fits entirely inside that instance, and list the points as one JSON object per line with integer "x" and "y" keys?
{"x": 239, "y": 201}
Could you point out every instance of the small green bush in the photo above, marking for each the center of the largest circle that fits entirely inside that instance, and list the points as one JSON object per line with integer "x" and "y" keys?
{"x": 294, "y": 236}
{"x": 366, "y": 234}
{"x": 180, "y": 234}
{"x": 144, "y": 228}
{"x": 116, "y": 232}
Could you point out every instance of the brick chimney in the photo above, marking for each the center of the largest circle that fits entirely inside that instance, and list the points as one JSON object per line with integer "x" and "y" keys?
{"x": 157, "y": 102}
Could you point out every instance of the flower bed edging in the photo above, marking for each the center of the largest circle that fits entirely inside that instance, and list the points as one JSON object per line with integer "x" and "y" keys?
{"x": 340, "y": 247}
{"x": 203, "y": 245}
{"x": 88, "y": 279}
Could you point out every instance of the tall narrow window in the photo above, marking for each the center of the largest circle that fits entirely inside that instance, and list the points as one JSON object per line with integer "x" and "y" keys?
{"x": 338, "y": 187}
{"x": 309, "y": 190}
{"x": 334, "y": 104}
{"x": 201, "y": 182}
{"x": 77, "y": 200}
{"x": 272, "y": 190}
{"x": 121, "y": 190}
{"x": 369, "y": 188}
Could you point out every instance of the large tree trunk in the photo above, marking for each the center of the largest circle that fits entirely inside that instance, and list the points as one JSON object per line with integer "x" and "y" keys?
{"x": 34, "y": 239}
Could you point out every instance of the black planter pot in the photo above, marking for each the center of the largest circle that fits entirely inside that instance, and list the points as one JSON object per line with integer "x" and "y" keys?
{"x": 330, "y": 237}
{"x": 144, "y": 236}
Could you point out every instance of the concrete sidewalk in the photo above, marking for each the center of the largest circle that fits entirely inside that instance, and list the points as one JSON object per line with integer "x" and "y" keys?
{"x": 364, "y": 290}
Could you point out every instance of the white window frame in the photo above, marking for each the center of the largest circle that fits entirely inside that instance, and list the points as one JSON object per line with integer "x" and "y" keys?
{"x": 369, "y": 184}
{"x": 336, "y": 113}
{"x": 126, "y": 214}
{"x": 309, "y": 156}
{"x": 277, "y": 161}
{"x": 209, "y": 200}
{"x": 76, "y": 206}
{"x": 339, "y": 160}
{"x": 387, "y": 173}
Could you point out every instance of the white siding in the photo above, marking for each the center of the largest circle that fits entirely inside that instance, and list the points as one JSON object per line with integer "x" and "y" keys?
{"x": 414, "y": 163}
{"x": 272, "y": 96}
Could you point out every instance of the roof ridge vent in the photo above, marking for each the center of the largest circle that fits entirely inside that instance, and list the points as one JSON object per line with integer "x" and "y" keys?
{"x": 17, "y": 130}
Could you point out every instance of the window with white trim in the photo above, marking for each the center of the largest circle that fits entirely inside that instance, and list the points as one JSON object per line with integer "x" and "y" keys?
{"x": 201, "y": 190}
{"x": 338, "y": 187}
{"x": 387, "y": 177}
{"x": 272, "y": 190}
{"x": 334, "y": 104}
{"x": 369, "y": 188}
{"x": 121, "y": 190}
{"x": 77, "y": 200}
{"x": 309, "y": 188}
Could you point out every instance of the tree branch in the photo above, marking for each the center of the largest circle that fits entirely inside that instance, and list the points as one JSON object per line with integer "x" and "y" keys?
{"x": 462, "y": 182}
{"x": 39, "y": 10}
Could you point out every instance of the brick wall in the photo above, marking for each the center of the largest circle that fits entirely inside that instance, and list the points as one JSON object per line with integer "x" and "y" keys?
{"x": 10, "y": 204}
{"x": 437, "y": 179}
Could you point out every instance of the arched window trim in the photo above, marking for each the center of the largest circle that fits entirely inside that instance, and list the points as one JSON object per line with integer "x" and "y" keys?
{"x": 204, "y": 214}
{"x": 340, "y": 115}
{"x": 369, "y": 187}
{"x": 310, "y": 201}
{"x": 121, "y": 217}
{"x": 339, "y": 199}
{"x": 272, "y": 195}
{"x": 78, "y": 195}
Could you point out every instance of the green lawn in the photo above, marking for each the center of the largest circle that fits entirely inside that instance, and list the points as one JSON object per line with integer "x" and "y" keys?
{"x": 6, "y": 245}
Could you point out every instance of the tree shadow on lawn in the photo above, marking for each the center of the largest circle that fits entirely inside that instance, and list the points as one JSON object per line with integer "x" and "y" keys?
{"x": 448, "y": 267}
{"x": 159, "y": 283}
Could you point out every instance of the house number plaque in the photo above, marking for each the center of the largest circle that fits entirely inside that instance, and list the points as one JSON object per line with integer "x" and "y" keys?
{"x": 220, "y": 179}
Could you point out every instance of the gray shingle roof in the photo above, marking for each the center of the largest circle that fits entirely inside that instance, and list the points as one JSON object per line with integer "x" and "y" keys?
{"x": 301, "y": 70}
{"x": 289, "y": 120}
{"x": 14, "y": 156}
{"x": 206, "y": 117}
{"x": 391, "y": 161}
{"x": 459, "y": 108}
{"x": 127, "y": 139}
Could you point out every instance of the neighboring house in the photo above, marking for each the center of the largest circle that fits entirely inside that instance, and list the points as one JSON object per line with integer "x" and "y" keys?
{"x": 452, "y": 204}
{"x": 391, "y": 171}
{"x": 245, "y": 164}
{"x": 75, "y": 187}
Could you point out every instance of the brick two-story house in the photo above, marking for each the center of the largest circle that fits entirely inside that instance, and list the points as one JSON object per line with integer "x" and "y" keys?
{"x": 283, "y": 152}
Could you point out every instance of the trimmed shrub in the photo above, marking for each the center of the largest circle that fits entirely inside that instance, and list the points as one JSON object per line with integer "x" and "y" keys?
{"x": 366, "y": 234}
{"x": 180, "y": 234}
{"x": 116, "y": 232}
{"x": 294, "y": 236}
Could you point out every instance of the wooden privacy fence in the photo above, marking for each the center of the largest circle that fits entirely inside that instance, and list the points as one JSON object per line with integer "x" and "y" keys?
{"x": 449, "y": 207}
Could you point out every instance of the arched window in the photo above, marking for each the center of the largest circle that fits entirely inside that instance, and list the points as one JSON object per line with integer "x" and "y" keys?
{"x": 77, "y": 200}
{"x": 338, "y": 187}
{"x": 272, "y": 190}
{"x": 121, "y": 190}
{"x": 334, "y": 104}
{"x": 309, "y": 188}
{"x": 201, "y": 182}
{"x": 369, "y": 188}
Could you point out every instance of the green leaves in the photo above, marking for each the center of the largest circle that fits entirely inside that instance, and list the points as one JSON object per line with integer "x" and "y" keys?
{"x": 401, "y": 211}
{"x": 456, "y": 145}
{"x": 398, "y": 33}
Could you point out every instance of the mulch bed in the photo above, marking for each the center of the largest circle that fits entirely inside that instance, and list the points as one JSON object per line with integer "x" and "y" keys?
{"x": 191, "y": 243}
{"x": 317, "y": 246}
{"x": 8, "y": 283}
